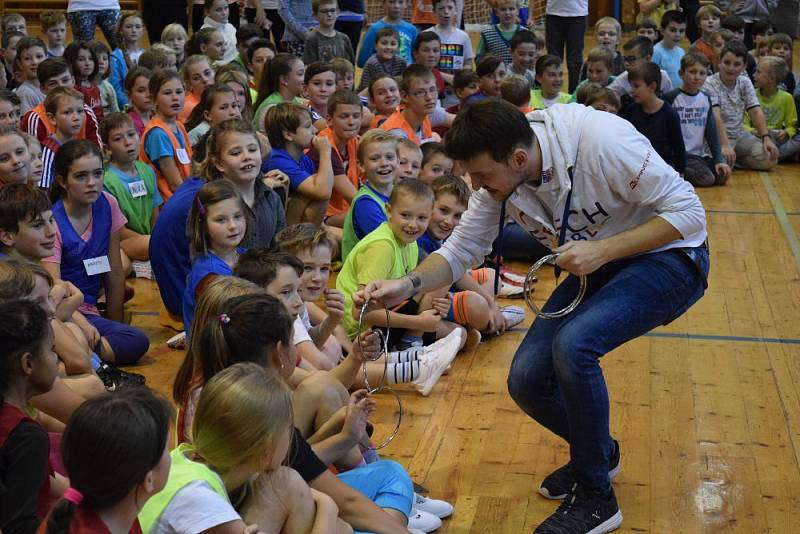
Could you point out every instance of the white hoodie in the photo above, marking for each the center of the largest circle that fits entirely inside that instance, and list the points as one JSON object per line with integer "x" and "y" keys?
{"x": 620, "y": 182}
{"x": 228, "y": 32}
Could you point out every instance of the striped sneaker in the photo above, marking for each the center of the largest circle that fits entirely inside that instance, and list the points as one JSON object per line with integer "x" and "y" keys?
{"x": 513, "y": 316}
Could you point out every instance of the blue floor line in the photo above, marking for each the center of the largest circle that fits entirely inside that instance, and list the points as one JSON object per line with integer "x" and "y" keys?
{"x": 712, "y": 337}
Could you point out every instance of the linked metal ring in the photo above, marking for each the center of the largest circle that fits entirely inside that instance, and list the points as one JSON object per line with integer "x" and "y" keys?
{"x": 530, "y": 280}
{"x": 382, "y": 386}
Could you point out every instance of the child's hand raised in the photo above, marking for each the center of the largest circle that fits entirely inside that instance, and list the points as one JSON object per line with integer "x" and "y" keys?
{"x": 366, "y": 346}
{"x": 321, "y": 144}
{"x": 334, "y": 302}
{"x": 429, "y": 320}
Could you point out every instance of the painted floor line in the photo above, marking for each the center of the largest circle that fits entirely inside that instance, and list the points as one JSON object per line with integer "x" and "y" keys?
{"x": 750, "y": 212}
{"x": 713, "y": 337}
{"x": 782, "y": 216}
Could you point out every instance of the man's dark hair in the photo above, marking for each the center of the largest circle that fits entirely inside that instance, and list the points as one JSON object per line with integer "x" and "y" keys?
{"x": 734, "y": 23}
{"x": 493, "y": 126}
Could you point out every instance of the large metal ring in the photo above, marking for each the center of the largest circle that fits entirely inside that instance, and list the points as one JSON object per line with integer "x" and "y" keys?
{"x": 382, "y": 386}
{"x": 530, "y": 280}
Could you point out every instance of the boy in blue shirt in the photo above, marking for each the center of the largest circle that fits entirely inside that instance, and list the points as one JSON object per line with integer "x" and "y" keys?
{"x": 291, "y": 132}
{"x": 394, "y": 18}
{"x": 667, "y": 53}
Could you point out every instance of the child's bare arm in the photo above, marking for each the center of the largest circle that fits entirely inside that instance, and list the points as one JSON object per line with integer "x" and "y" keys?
{"x": 727, "y": 150}
{"x": 170, "y": 172}
{"x": 280, "y": 502}
{"x": 319, "y": 186}
{"x": 334, "y": 302}
{"x": 759, "y": 122}
{"x": 114, "y": 281}
{"x": 69, "y": 350}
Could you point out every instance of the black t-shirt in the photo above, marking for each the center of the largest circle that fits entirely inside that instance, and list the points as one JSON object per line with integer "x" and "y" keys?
{"x": 303, "y": 459}
{"x": 23, "y": 470}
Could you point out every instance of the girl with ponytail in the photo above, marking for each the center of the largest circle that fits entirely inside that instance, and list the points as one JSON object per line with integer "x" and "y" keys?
{"x": 28, "y": 367}
{"x": 115, "y": 450}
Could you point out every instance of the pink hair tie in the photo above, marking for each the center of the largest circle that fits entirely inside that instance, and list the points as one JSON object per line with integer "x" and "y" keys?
{"x": 74, "y": 496}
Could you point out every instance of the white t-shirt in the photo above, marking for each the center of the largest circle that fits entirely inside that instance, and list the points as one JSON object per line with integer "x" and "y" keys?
{"x": 456, "y": 49}
{"x": 567, "y": 8}
{"x": 622, "y": 86}
{"x": 91, "y": 5}
{"x": 195, "y": 508}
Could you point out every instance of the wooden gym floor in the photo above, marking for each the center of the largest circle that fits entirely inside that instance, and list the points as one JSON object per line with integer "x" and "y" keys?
{"x": 707, "y": 409}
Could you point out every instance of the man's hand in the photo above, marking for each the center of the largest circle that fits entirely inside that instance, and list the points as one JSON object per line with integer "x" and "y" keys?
{"x": 729, "y": 154}
{"x": 334, "y": 302}
{"x": 386, "y": 293}
{"x": 581, "y": 257}
{"x": 770, "y": 148}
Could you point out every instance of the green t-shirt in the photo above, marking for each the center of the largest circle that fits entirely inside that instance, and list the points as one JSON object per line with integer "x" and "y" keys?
{"x": 537, "y": 100}
{"x": 779, "y": 112}
{"x": 271, "y": 100}
{"x": 378, "y": 256}
{"x": 349, "y": 237}
{"x": 137, "y": 195}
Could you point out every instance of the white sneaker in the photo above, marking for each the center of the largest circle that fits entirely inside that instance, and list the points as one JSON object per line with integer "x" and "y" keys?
{"x": 440, "y": 509}
{"x": 435, "y": 362}
{"x": 509, "y": 291}
{"x": 424, "y": 521}
{"x": 445, "y": 341}
{"x": 513, "y": 277}
{"x": 513, "y": 316}
{"x": 178, "y": 341}
{"x": 415, "y": 531}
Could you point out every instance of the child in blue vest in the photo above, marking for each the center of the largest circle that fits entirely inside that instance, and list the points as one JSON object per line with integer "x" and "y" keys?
{"x": 217, "y": 226}
{"x": 28, "y": 366}
{"x": 87, "y": 247}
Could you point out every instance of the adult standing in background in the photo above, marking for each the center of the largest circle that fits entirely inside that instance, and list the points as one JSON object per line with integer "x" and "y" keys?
{"x": 157, "y": 14}
{"x": 85, "y": 15}
{"x": 565, "y": 25}
{"x": 265, "y": 14}
{"x": 351, "y": 20}
{"x": 689, "y": 8}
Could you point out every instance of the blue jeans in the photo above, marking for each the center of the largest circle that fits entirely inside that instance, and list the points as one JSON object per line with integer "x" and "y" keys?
{"x": 555, "y": 376}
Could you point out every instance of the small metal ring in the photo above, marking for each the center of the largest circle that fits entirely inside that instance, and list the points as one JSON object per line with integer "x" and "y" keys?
{"x": 382, "y": 386}
{"x": 528, "y": 288}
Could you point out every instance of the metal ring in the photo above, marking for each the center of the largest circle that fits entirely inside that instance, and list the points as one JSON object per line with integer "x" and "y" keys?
{"x": 382, "y": 386}
{"x": 530, "y": 280}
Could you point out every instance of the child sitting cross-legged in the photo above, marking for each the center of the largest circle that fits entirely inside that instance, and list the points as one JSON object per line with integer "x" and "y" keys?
{"x": 291, "y": 132}
{"x": 27, "y": 236}
{"x": 391, "y": 251}
{"x": 474, "y": 303}
{"x": 133, "y": 184}
{"x": 241, "y": 434}
{"x": 705, "y": 165}
{"x": 409, "y": 159}
{"x": 598, "y": 66}
{"x": 778, "y": 105}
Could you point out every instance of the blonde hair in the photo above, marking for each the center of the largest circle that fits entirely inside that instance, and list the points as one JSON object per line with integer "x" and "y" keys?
{"x": 174, "y": 29}
{"x": 372, "y": 137}
{"x": 232, "y": 73}
{"x": 609, "y": 20}
{"x": 192, "y": 60}
{"x": 242, "y": 412}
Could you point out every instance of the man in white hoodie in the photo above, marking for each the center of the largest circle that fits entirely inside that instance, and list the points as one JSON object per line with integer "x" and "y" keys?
{"x": 634, "y": 227}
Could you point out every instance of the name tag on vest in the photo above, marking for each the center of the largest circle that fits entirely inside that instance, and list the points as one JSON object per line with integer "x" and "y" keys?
{"x": 183, "y": 156}
{"x": 137, "y": 189}
{"x": 98, "y": 265}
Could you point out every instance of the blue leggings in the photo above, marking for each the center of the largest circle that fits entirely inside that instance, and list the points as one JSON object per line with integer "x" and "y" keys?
{"x": 385, "y": 482}
{"x": 84, "y": 22}
{"x": 128, "y": 343}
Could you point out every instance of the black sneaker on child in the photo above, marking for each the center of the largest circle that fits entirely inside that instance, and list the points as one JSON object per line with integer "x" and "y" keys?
{"x": 115, "y": 378}
{"x": 557, "y": 484}
{"x": 583, "y": 512}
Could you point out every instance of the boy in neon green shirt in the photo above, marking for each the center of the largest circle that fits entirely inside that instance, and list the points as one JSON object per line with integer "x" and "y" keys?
{"x": 391, "y": 251}
{"x": 779, "y": 109}
{"x": 550, "y": 77}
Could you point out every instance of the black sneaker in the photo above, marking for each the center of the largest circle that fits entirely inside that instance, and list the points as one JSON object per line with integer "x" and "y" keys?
{"x": 114, "y": 378}
{"x": 557, "y": 484}
{"x": 583, "y": 512}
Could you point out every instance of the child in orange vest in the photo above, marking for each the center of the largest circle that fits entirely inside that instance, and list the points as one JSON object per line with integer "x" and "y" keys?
{"x": 165, "y": 142}
{"x": 419, "y": 103}
{"x": 344, "y": 122}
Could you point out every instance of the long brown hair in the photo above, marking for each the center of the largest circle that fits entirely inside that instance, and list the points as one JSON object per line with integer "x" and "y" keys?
{"x": 211, "y": 193}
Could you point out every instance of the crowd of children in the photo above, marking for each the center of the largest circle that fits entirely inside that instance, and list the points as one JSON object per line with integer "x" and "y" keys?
{"x": 240, "y": 171}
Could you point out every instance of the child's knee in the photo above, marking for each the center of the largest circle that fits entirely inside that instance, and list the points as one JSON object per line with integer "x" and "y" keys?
{"x": 471, "y": 309}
